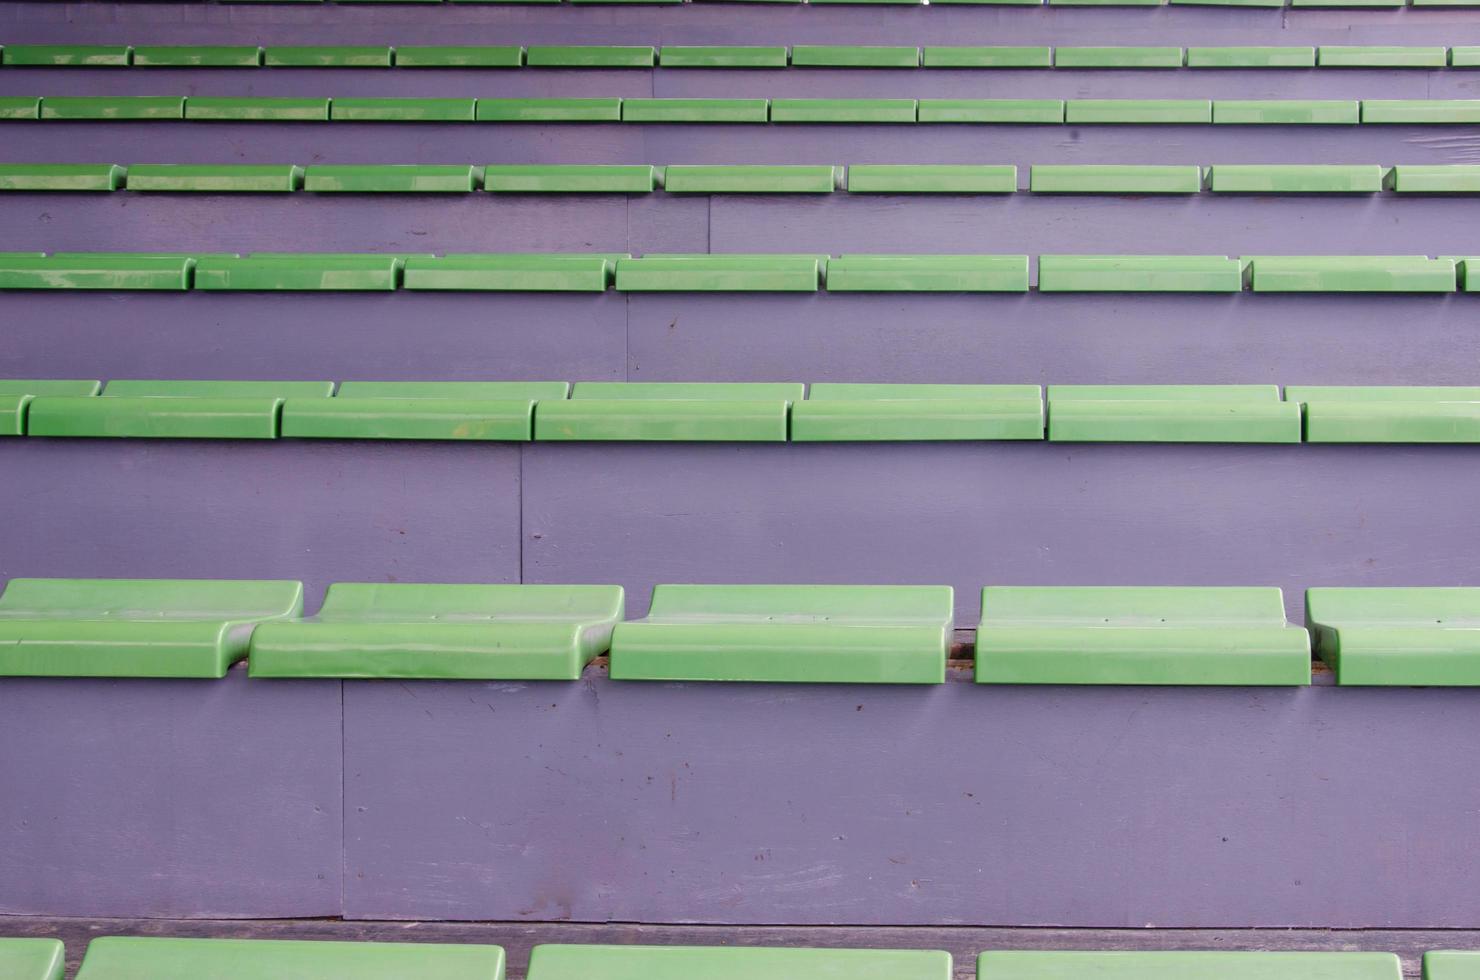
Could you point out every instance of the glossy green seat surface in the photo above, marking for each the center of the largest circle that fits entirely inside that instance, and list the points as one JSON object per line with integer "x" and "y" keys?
{"x": 1388, "y": 413}
{"x": 137, "y": 958}
{"x": 82, "y": 270}
{"x": 440, "y": 410}
{"x": 844, "y": 634}
{"x": 721, "y": 273}
{"x": 1119, "y": 965}
{"x": 1351, "y": 274}
{"x": 172, "y": 409}
{"x": 1397, "y": 636}
{"x": 511, "y": 273}
{"x": 1138, "y": 635}
{"x": 909, "y": 412}
{"x": 669, "y": 412}
{"x": 16, "y": 395}
{"x": 928, "y": 274}
{"x": 481, "y": 632}
{"x": 308, "y": 272}
{"x": 1448, "y": 964}
{"x": 1139, "y": 274}
{"x": 1171, "y": 413}
{"x": 134, "y": 627}
{"x": 32, "y": 959}
{"x": 553, "y": 962}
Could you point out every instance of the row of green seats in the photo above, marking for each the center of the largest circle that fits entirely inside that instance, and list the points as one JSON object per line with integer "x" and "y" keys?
{"x": 839, "y": 634}
{"x": 620, "y": 411}
{"x": 777, "y": 110}
{"x": 1454, "y": 178}
{"x": 716, "y": 56}
{"x": 138, "y": 958}
{"x": 916, "y": 3}
{"x": 713, "y": 272}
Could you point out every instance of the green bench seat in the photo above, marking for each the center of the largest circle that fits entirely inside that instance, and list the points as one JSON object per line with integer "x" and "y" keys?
{"x": 1379, "y": 56}
{"x": 1351, "y": 274}
{"x": 668, "y": 412}
{"x": 32, "y": 959}
{"x": 331, "y": 56}
{"x": 1252, "y": 57}
{"x": 102, "y": 270}
{"x": 1139, "y": 274}
{"x": 840, "y": 110}
{"x": 1171, "y": 413}
{"x": 1121, "y": 965}
{"x": 721, "y": 273}
{"x": 719, "y": 56}
{"x": 784, "y": 179}
{"x": 551, "y": 272}
{"x": 134, "y": 627}
{"x": 548, "y": 110}
{"x": 928, "y": 274}
{"x": 1295, "y": 179}
{"x": 1011, "y": 111}
{"x": 60, "y": 177}
{"x": 390, "y": 178}
{"x": 1286, "y": 112}
{"x": 398, "y": 110}
{"x": 841, "y": 634}
{"x": 445, "y": 632}
{"x": 171, "y": 410}
{"x": 230, "y": 178}
{"x": 20, "y": 107}
{"x": 545, "y": 178}
{"x": 1451, "y": 964}
{"x": 1388, "y": 413}
{"x": 1117, "y": 57}
{"x": 853, "y": 56}
{"x": 1398, "y": 637}
{"x": 16, "y": 395}
{"x": 1100, "y": 179}
{"x": 1139, "y": 635}
{"x": 589, "y": 56}
{"x": 987, "y": 56}
{"x": 553, "y": 962}
{"x": 109, "y": 107}
{"x": 695, "y": 110}
{"x": 459, "y": 56}
{"x": 313, "y": 272}
{"x": 1142, "y": 112}
{"x": 443, "y": 410}
{"x": 67, "y": 55}
{"x": 932, "y": 179}
{"x": 140, "y": 958}
{"x": 255, "y": 109}
{"x": 917, "y": 412}
{"x": 1421, "y": 112}
{"x": 206, "y": 56}
{"x": 1444, "y": 178}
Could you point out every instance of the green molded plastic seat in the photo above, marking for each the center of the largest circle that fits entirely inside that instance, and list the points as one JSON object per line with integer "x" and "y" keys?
{"x": 1252, "y": 57}
{"x": 705, "y": 56}
{"x": 1117, "y": 57}
{"x": 917, "y": 412}
{"x": 140, "y": 958}
{"x": 209, "y": 56}
{"x": 102, "y": 270}
{"x": 548, "y": 110}
{"x": 1102, "y": 179}
{"x": 16, "y": 395}
{"x": 255, "y": 109}
{"x": 1171, "y": 413}
{"x": 987, "y": 56}
{"x": 668, "y": 412}
{"x": 113, "y": 107}
{"x": 549, "y": 178}
{"x": 230, "y": 178}
{"x": 399, "y": 110}
{"x": 1351, "y": 274}
{"x": 60, "y": 177}
{"x": 695, "y": 110}
{"x": 931, "y": 179}
{"x": 1348, "y": 56}
{"x": 1138, "y": 635}
{"x": 553, "y": 962}
{"x": 928, "y": 274}
{"x": 1389, "y": 414}
{"x": 1138, "y": 111}
{"x": 63, "y": 627}
{"x": 69, "y": 55}
{"x": 512, "y": 273}
{"x": 853, "y": 56}
{"x": 271, "y": 271}
{"x": 721, "y": 273}
{"x": 14, "y": 107}
{"x": 754, "y": 179}
{"x": 1286, "y": 112}
{"x": 1454, "y": 112}
{"x": 1444, "y": 178}
{"x": 466, "y": 56}
{"x": 172, "y": 410}
{"x": 448, "y": 632}
{"x": 1008, "y": 111}
{"x": 501, "y": 411}
{"x": 838, "y": 634}
{"x": 1295, "y": 179}
{"x": 843, "y": 110}
{"x": 1139, "y": 274}
{"x": 391, "y": 178}
{"x": 589, "y": 56}
{"x": 32, "y": 959}
{"x": 1398, "y": 637}
{"x": 1451, "y": 964}
{"x": 320, "y": 56}
{"x": 1221, "y": 965}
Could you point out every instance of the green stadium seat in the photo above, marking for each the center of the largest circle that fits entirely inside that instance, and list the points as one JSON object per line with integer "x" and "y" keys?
{"x": 1444, "y": 178}
{"x": 20, "y": 107}
{"x": 551, "y": 962}
{"x": 171, "y": 410}
{"x": 1252, "y": 57}
{"x": 1398, "y": 638}
{"x": 1138, "y": 635}
{"x": 704, "y": 56}
{"x": 931, "y": 179}
{"x": 928, "y": 273}
{"x": 1124, "y": 965}
{"x": 1286, "y": 112}
{"x": 917, "y": 412}
{"x": 1426, "y": 112}
{"x": 987, "y": 56}
{"x": 1467, "y": 56}
{"x": 500, "y": 411}
{"x": 668, "y": 412}
{"x": 32, "y": 959}
{"x": 1389, "y": 414}
{"x": 467, "y": 56}
{"x": 319, "y": 56}
{"x": 16, "y": 395}
{"x": 103, "y": 270}
{"x": 695, "y": 110}
{"x": 1351, "y": 274}
{"x": 1138, "y": 111}
{"x": 264, "y": 271}
{"x": 853, "y": 56}
{"x": 113, "y": 107}
{"x": 511, "y": 273}
{"x": 230, "y": 178}
{"x": 139, "y": 958}
{"x": 134, "y": 627}
{"x": 837, "y": 634}
{"x": 786, "y": 179}
{"x": 1139, "y": 274}
{"x": 443, "y": 632}
{"x": 1102, "y": 179}
{"x": 589, "y": 56}
{"x": 68, "y": 55}
{"x": 255, "y": 109}
{"x": 720, "y": 273}
{"x": 60, "y": 177}
{"x": 548, "y": 110}
{"x": 547, "y": 178}
{"x": 397, "y": 110}
{"x": 1127, "y": 57}
{"x": 220, "y": 56}
{"x": 1450, "y": 964}
{"x": 1171, "y": 413}
{"x": 391, "y": 178}
{"x": 841, "y": 110}
{"x": 1012, "y": 111}
{"x": 1295, "y": 179}
{"x": 1347, "y": 56}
